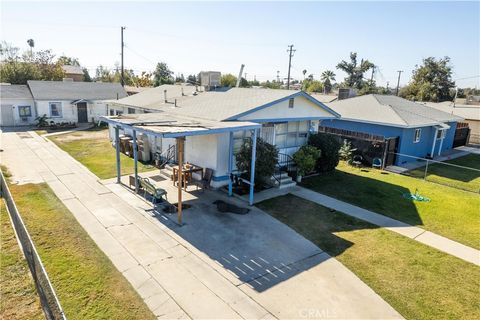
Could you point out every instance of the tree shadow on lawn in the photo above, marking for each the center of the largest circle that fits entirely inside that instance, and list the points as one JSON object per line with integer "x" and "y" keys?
{"x": 375, "y": 195}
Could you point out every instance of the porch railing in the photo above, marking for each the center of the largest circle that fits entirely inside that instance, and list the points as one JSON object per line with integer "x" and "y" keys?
{"x": 285, "y": 163}
{"x": 167, "y": 156}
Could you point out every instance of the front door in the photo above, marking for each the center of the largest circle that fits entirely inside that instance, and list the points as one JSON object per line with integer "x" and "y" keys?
{"x": 82, "y": 112}
{"x": 7, "y": 115}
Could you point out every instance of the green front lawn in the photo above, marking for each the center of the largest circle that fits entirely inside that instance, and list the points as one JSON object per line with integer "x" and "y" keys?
{"x": 418, "y": 281}
{"x": 87, "y": 283}
{"x": 453, "y": 176}
{"x": 96, "y": 153}
{"x": 19, "y": 299}
{"x": 452, "y": 213}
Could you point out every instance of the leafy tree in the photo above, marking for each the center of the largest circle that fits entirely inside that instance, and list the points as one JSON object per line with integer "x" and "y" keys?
{"x": 228, "y": 80}
{"x": 271, "y": 84}
{"x": 431, "y": 81}
{"x": 244, "y": 83}
{"x": 305, "y": 158}
{"x": 18, "y": 69}
{"x": 329, "y": 147}
{"x": 312, "y": 86}
{"x": 267, "y": 158}
{"x": 180, "y": 78}
{"x": 162, "y": 75}
{"x": 68, "y": 61}
{"x": 254, "y": 83}
{"x": 327, "y": 77}
{"x": 192, "y": 78}
{"x": 86, "y": 75}
{"x": 355, "y": 71}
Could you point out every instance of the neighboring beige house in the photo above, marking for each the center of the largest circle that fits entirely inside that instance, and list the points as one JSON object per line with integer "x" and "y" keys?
{"x": 471, "y": 114}
{"x": 73, "y": 72}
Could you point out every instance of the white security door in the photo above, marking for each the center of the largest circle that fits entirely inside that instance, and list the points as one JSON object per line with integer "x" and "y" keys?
{"x": 7, "y": 115}
{"x": 268, "y": 133}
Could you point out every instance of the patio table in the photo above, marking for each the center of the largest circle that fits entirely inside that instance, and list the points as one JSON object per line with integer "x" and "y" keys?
{"x": 187, "y": 172}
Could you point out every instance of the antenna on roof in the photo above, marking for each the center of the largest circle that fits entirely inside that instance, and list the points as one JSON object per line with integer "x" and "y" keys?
{"x": 165, "y": 95}
{"x": 240, "y": 76}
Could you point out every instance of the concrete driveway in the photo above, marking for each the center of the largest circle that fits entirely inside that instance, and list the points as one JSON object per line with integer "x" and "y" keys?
{"x": 220, "y": 266}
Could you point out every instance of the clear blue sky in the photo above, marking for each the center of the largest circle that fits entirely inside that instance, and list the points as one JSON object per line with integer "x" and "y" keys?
{"x": 220, "y": 36}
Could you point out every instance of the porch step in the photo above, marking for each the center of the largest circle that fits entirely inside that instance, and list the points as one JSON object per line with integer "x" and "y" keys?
{"x": 289, "y": 184}
{"x": 285, "y": 180}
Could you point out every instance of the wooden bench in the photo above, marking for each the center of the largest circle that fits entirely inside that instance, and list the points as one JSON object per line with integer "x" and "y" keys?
{"x": 156, "y": 193}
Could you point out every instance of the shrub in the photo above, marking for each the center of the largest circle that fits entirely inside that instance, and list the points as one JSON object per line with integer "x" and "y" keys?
{"x": 305, "y": 158}
{"x": 329, "y": 147}
{"x": 267, "y": 158}
{"x": 42, "y": 121}
{"x": 346, "y": 151}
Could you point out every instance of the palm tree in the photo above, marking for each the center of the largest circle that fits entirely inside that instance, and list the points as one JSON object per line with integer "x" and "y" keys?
{"x": 31, "y": 43}
{"x": 354, "y": 71}
{"x": 304, "y": 73}
{"x": 327, "y": 77}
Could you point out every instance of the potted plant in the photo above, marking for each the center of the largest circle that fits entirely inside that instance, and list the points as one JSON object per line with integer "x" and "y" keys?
{"x": 305, "y": 158}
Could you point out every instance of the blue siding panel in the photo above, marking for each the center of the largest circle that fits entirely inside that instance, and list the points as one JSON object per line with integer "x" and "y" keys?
{"x": 406, "y": 146}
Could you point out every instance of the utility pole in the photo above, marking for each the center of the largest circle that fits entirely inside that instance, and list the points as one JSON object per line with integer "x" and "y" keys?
{"x": 123, "y": 45}
{"x": 278, "y": 76}
{"x": 398, "y": 82}
{"x": 290, "y": 55}
{"x": 373, "y": 71}
{"x": 387, "y": 85}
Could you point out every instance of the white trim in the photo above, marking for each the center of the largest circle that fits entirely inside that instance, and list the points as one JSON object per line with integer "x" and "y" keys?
{"x": 415, "y": 138}
{"x": 60, "y": 109}
{"x": 392, "y": 124}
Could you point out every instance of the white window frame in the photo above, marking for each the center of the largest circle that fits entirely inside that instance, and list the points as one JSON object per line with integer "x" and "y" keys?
{"x": 23, "y": 107}
{"x": 59, "y": 109}
{"x": 417, "y": 137}
{"x": 441, "y": 134}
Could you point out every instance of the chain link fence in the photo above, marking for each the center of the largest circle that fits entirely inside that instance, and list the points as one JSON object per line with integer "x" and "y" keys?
{"x": 446, "y": 173}
{"x": 48, "y": 299}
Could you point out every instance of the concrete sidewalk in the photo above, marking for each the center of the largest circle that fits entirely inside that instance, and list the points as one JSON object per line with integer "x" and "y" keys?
{"x": 174, "y": 277}
{"x": 418, "y": 234}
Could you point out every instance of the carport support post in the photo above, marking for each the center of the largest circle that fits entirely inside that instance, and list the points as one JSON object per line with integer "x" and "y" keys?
{"x": 441, "y": 142}
{"x": 252, "y": 166}
{"x": 180, "y": 142}
{"x": 117, "y": 153}
{"x": 135, "y": 159}
{"x": 433, "y": 145}
{"x": 230, "y": 164}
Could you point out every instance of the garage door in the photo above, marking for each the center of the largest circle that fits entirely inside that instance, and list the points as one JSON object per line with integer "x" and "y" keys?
{"x": 6, "y": 113}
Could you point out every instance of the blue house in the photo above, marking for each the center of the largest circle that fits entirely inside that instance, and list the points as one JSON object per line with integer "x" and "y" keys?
{"x": 418, "y": 130}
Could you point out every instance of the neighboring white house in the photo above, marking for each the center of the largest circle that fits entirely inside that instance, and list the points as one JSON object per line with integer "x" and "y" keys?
{"x": 287, "y": 117}
{"x": 17, "y": 105}
{"x": 69, "y": 101}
